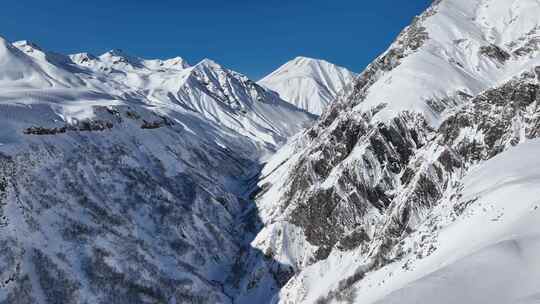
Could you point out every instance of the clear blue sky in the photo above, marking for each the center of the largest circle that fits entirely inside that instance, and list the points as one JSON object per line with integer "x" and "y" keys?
{"x": 250, "y": 36}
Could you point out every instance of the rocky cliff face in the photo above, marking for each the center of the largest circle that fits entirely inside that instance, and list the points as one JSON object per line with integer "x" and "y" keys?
{"x": 139, "y": 181}
{"x": 451, "y": 93}
{"x": 371, "y": 237}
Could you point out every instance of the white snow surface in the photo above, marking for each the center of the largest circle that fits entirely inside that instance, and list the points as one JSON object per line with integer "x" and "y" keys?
{"x": 310, "y": 84}
{"x": 231, "y": 101}
{"x": 489, "y": 255}
{"x": 451, "y": 61}
{"x": 447, "y": 63}
{"x": 466, "y": 267}
{"x": 200, "y": 128}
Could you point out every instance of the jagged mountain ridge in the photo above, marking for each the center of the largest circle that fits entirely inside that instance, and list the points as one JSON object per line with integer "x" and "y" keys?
{"x": 114, "y": 190}
{"x": 216, "y": 93}
{"x": 360, "y": 194}
{"x": 309, "y": 84}
{"x": 126, "y": 180}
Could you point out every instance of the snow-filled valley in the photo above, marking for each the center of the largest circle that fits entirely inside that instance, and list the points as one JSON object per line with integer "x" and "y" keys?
{"x": 126, "y": 180}
{"x": 129, "y": 180}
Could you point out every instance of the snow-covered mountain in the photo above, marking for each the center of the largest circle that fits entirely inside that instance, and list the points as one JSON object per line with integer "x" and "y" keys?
{"x": 124, "y": 180}
{"x": 398, "y": 193}
{"x": 206, "y": 89}
{"x": 309, "y": 84}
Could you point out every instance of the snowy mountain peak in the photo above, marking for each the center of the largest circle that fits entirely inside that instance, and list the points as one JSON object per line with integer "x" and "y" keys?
{"x": 209, "y": 63}
{"x": 17, "y": 69}
{"x": 127, "y": 180}
{"x": 118, "y": 57}
{"x": 210, "y": 69}
{"x": 310, "y": 84}
{"x": 26, "y": 44}
{"x": 396, "y": 192}
{"x": 302, "y": 60}
{"x": 81, "y": 58}
{"x": 36, "y": 51}
{"x": 472, "y": 44}
{"x": 4, "y": 46}
{"x": 116, "y": 53}
{"x": 178, "y": 62}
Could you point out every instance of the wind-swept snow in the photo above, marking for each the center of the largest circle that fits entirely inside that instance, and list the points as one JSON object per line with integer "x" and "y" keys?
{"x": 309, "y": 84}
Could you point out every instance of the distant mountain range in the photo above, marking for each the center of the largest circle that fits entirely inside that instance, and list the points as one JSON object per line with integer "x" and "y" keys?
{"x": 128, "y": 180}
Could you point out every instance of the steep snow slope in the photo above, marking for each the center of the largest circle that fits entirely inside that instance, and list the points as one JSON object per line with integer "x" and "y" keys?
{"x": 478, "y": 248}
{"x": 458, "y": 87}
{"x": 125, "y": 180}
{"x": 232, "y": 99}
{"x": 310, "y": 84}
{"x": 19, "y": 71}
{"x": 489, "y": 255}
{"x": 118, "y": 205}
{"x": 455, "y": 47}
{"x": 216, "y": 93}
